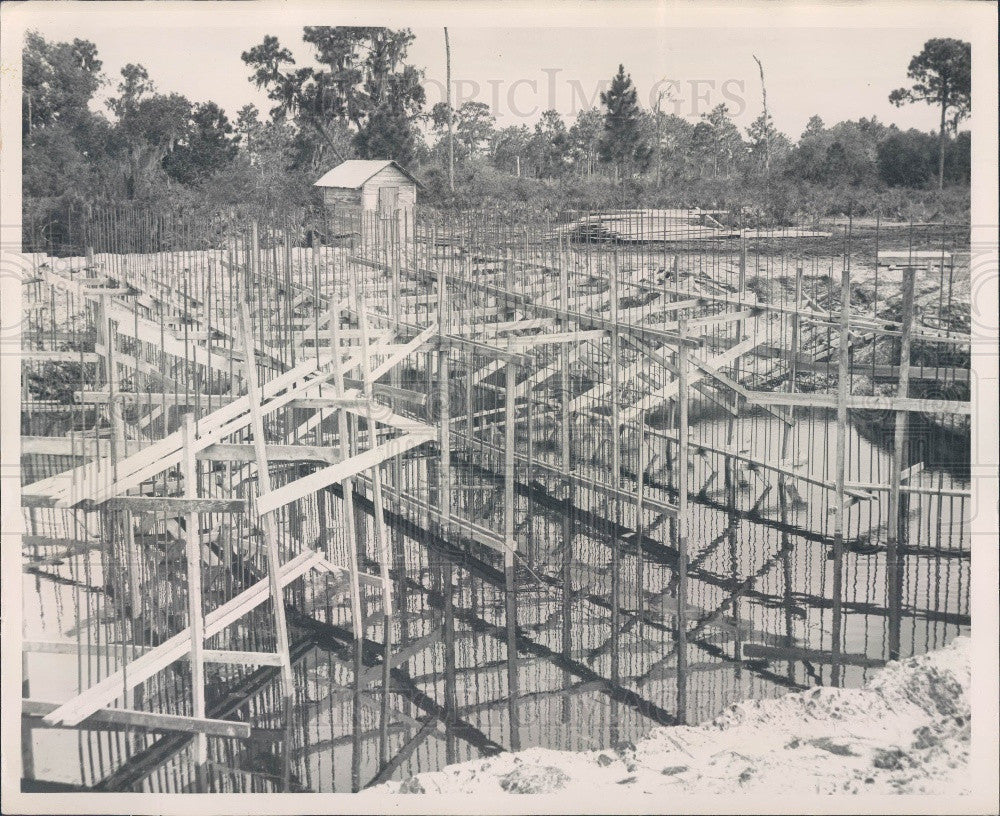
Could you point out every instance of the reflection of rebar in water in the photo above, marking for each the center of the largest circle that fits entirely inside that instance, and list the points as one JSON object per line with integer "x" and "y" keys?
{"x": 532, "y": 492}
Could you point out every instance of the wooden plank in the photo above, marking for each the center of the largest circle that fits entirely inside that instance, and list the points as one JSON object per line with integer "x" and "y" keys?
{"x": 532, "y": 340}
{"x": 736, "y": 386}
{"x": 137, "y": 397}
{"x": 577, "y": 479}
{"x": 166, "y": 453}
{"x": 861, "y": 324}
{"x": 176, "y": 505}
{"x": 394, "y": 392}
{"x": 237, "y": 658}
{"x": 269, "y": 502}
{"x": 316, "y": 403}
{"x": 403, "y": 352}
{"x": 145, "y": 720}
{"x": 30, "y": 356}
{"x": 196, "y": 618}
{"x": 116, "y": 650}
{"x": 898, "y": 505}
{"x": 874, "y": 403}
{"x": 79, "y": 446}
{"x": 504, "y": 326}
{"x": 669, "y": 391}
{"x": 142, "y": 668}
{"x": 683, "y": 522}
{"x": 722, "y": 317}
{"x": 404, "y": 654}
{"x": 891, "y": 372}
{"x": 915, "y": 489}
{"x": 234, "y": 452}
{"x": 449, "y": 341}
{"x": 905, "y": 256}
{"x": 75, "y": 544}
{"x": 840, "y": 466}
{"x": 263, "y": 486}
{"x": 603, "y": 389}
{"x": 71, "y": 647}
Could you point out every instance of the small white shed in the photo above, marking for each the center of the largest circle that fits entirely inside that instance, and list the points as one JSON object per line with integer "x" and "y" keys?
{"x": 381, "y": 190}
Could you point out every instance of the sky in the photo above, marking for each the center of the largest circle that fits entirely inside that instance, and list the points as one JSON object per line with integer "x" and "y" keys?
{"x": 836, "y": 72}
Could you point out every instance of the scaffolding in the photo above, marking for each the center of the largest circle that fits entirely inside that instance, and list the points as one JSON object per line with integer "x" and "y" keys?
{"x": 321, "y": 507}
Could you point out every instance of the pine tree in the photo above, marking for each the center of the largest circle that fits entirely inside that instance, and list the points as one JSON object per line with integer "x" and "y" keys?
{"x": 942, "y": 76}
{"x": 623, "y": 144}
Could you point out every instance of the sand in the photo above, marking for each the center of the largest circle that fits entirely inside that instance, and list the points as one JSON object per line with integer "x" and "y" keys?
{"x": 906, "y": 731}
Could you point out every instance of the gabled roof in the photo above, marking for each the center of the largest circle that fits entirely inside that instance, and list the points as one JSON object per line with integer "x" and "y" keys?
{"x": 353, "y": 173}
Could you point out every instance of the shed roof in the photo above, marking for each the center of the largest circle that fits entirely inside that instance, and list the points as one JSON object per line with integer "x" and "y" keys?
{"x": 352, "y": 174}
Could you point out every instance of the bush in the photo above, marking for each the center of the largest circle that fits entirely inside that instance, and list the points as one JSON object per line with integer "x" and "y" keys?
{"x": 779, "y": 201}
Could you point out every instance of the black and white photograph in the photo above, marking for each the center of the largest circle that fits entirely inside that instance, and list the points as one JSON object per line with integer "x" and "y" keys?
{"x": 496, "y": 407}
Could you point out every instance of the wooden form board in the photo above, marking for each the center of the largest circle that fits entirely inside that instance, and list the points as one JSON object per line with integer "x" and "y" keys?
{"x": 658, "y": 396}
{"x": 145, "y": 720}
{"x": 269, "y": 502}
{"x": 166, "y": 453}
{"x": 874, "y": 403}
{"x": 113, "y": 686}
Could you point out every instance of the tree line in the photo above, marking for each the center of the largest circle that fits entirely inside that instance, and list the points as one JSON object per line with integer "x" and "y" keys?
{"x": 360, "y": 97}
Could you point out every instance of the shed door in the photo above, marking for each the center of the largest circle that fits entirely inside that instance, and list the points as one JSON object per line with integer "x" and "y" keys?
{"x": 388, "y": 201}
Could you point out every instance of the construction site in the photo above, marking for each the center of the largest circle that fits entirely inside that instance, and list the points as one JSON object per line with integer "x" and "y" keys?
{"x": 317, "y": 506}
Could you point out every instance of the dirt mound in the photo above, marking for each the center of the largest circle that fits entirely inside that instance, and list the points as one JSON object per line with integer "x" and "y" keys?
{"x": 906, "y": 731}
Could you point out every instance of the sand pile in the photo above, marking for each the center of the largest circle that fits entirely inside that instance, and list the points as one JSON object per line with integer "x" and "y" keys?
{"x": 906, "y": 731}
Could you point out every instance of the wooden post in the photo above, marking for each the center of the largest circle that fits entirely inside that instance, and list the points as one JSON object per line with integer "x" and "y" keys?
{"x": 508, "y": 558}
{"x": 380, "y": 531}
{"x": 451, "y": 113}
{"x": 381, "y": 537}
{"x": 732, "y": 437}
{"x": 897, "y": 512}
{"x": 640, "y": 526}
{"x": 566, "y": 463}
{"x": 843, "y": 373}
{"x": 401, "y": 232}
{"x": 120, "y": 521}
{"x": 192, "y": 540}
{"x": 450, "y": 690}
{"x": 444, "y": 507}
{"x": 350, "y": 535}
{"x": 783, "y": 483}
{"x": 682, "y": 519}
{"x": 268, "y": 521}
{"x": 27, "y": 739}
{"x": 616, "y": 432}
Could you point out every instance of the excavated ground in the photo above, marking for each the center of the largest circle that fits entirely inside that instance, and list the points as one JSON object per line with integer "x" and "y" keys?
{"x": 906, "y": 731}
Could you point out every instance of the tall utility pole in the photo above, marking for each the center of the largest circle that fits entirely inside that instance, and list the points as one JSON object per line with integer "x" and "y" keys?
{"x": 451, "y": 113}
{"x": 658, "y": 155}
{"x": 767, "y": 122}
